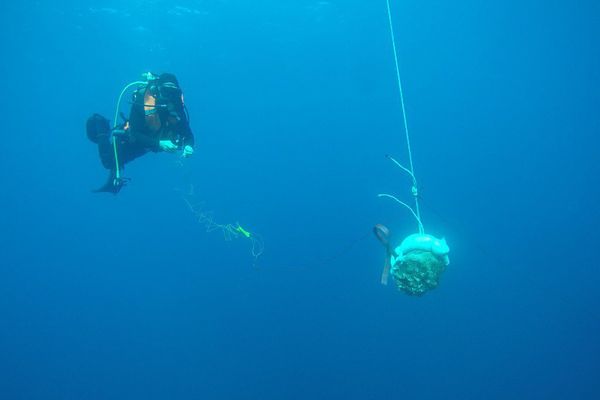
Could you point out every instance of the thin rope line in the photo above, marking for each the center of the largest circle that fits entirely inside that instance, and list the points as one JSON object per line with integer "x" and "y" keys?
{"x": 421, "y": 229}
{"x": 400, "y": 90}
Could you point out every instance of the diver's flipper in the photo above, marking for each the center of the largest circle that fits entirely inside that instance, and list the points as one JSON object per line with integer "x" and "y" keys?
{"x": 97, "y": 128}
{"x": 113, "y": 185}
{"x": 386, "y": 271}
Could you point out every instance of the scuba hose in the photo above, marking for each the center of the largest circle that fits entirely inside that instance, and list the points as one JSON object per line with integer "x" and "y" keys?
{"x": 125, "y": 89}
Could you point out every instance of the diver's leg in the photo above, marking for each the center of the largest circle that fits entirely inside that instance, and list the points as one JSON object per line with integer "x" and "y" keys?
{"x": 106, "y": 150}
{"x": 126, "y": 153}
{"x": 106, "y": 153}
{"x": 98, "y": 131}
{"x": 97, "y": 128}
{"x": 129, "y": 152}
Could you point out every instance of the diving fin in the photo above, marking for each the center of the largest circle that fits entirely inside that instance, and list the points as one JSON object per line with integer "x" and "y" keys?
{"x": 97, "y": 128}
{"x": 113, "y": 184}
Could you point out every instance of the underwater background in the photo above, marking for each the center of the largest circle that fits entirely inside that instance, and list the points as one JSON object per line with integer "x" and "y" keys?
{"x": 294, "y": 106}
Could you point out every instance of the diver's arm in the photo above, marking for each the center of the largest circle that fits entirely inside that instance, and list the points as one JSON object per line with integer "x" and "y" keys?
{"x": 188, "y": 142}
{"x": 186, "y": 135}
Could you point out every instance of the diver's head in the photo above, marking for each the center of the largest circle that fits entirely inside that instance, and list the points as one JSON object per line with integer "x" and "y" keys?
{"x": 168, "y": 78}
{"x": 167, "y": 96}
{"x": 169, "y": 92}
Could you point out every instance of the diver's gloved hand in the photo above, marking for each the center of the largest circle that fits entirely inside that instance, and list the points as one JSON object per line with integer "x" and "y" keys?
{"x": 188, "y": 151}
{"x": 167, "y": 145}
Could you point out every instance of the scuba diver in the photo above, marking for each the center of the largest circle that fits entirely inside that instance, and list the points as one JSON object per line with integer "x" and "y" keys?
{"x": 158, "y": 121}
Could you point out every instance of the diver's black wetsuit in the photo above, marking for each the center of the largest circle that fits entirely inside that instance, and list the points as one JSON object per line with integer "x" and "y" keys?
{"x": 157, "y": 114}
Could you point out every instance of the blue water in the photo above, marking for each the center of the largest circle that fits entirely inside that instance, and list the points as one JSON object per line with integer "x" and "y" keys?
{"x": 294, "y": 107}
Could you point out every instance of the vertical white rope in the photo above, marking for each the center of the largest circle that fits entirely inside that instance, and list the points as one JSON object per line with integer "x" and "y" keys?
{"x": 401, "y": 92}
